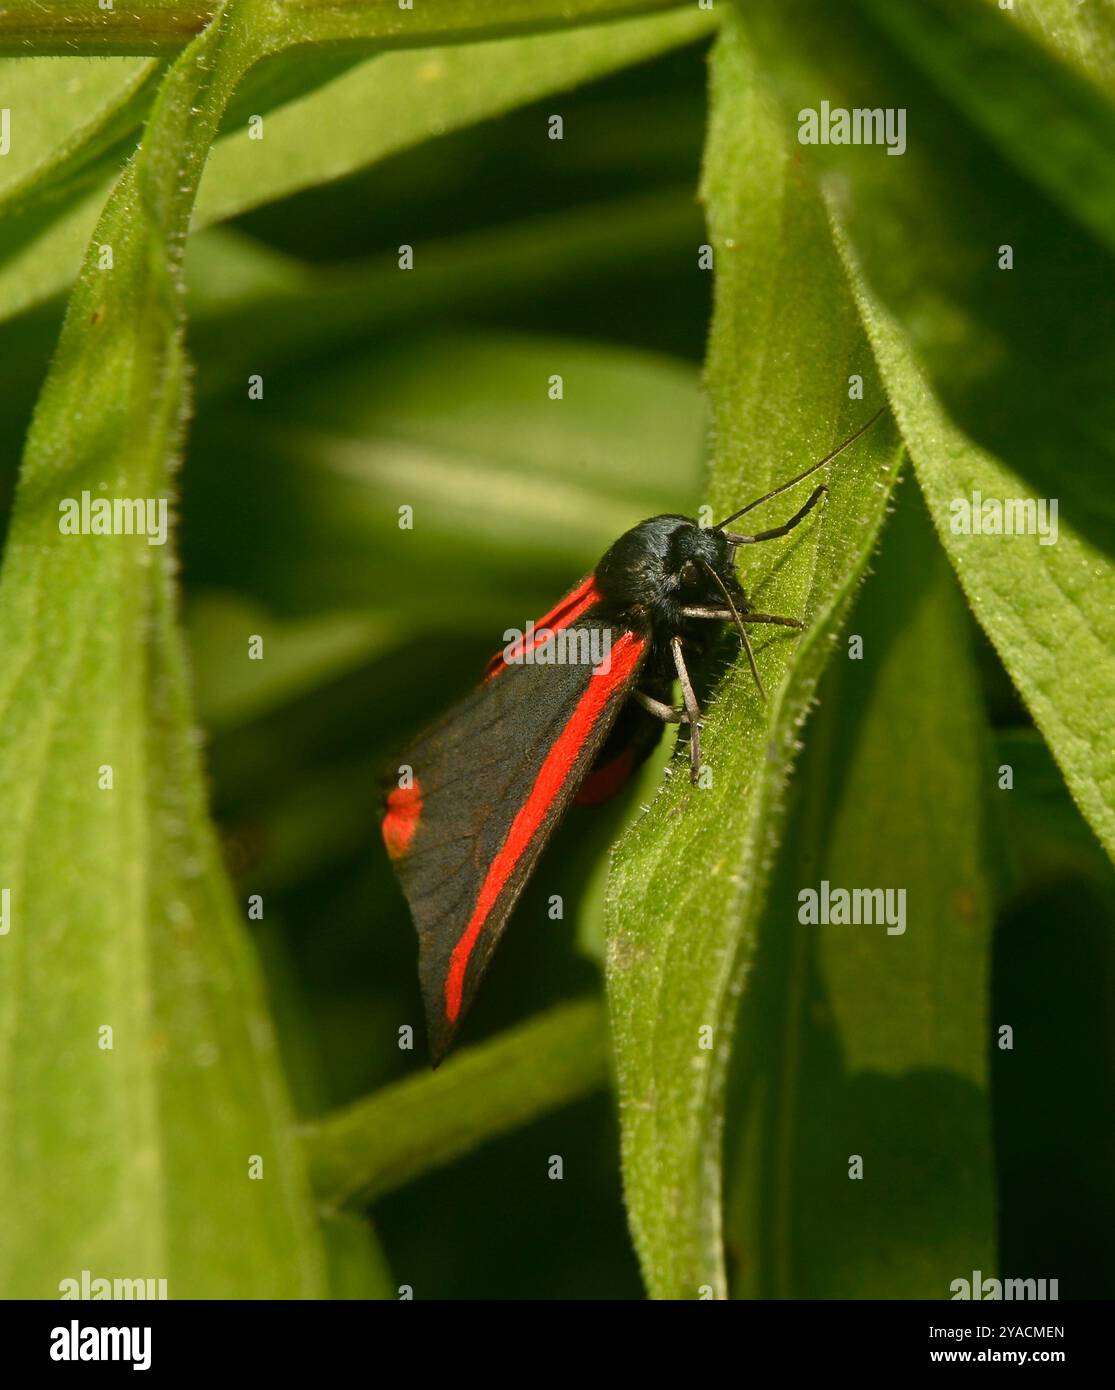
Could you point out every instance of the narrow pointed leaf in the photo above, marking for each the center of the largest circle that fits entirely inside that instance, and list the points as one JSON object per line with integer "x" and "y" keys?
{"x": 863, "y": 1163}
{"x": 688, "y": 882}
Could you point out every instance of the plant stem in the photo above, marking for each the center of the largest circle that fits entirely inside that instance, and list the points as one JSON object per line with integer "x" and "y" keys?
{"x": 413, "y": 1126}
{"x": 72, "y": 28}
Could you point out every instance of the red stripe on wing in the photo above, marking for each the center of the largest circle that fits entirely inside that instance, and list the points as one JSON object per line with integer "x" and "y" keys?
{"x": 571, "y": 607}
{"x": 551, "y": 777}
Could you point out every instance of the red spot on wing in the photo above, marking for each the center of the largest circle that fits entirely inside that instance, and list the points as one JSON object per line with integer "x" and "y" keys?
{"x": 404, "y": 811}
{"x": 571, "y": 607}
{"x": 602, "y": 783}
{"x": 551, "y": 778}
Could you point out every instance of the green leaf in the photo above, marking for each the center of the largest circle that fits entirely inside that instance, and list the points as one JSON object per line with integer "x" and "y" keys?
{"x": 142, "y": 935}
{"x": 1042, "y": 836}
{"x": 1083, "y": 36}
{"x": 35, "y": 270}
{"x": 1049, "y": 609}
{"x": 873, "y": 1039}
{"x": 688, "y": 882}
{"x": 159, "y": 1134}
{"x": 46, "y": 209}
{"x": 397, "y": 100}
{"x": 365, "y": 115}
{"x": 997, "y": 390}
{"x": 413, "y": 1126}
{"x": 1050, "y": 122}
{"x": 51, "y": 151}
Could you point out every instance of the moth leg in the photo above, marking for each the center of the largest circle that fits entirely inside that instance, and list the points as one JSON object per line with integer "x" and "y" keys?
{"x": 771, "y": 618}
{"x": 721, "y": 615}
{"x": 724, "y": 615}
{"x": 669, "y": 714}
{"x": 692, "y": 709}
{"x": 799, "y": 516}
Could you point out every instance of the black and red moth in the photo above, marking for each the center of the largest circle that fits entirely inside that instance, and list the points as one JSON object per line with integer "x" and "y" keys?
{"x": 480, "y": 792}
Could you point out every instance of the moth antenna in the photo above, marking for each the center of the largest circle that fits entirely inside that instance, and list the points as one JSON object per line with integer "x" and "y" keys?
{"x": 739, "y": 624}
{"x": 783, "y": 487}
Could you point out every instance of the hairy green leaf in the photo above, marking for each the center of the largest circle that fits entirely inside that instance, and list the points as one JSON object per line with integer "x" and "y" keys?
{"x": 1049, "y": 608}
{"x": 999, "y": 393}
{"x": 140, "y": 937}
{"x": 130, "y": 996}
{"x": 870, "y": 1039}
{"x": 688, "y": 882}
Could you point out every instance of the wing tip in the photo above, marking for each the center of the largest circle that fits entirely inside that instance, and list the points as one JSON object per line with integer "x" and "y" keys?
{"x": 441, "y": 1031}
{"x": 441, "y": 1035}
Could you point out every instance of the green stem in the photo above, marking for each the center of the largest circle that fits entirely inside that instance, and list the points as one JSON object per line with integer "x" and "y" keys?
{"x": 403, "y": 1131}
{"x": 71, "y": 28}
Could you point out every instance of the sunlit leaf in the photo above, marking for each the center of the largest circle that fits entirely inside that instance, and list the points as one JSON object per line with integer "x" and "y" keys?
{"x": 999, "y": 393}
{"x": 1053, "y": 124}
{"x": 869, "y": 1039}
{"x": 385, "y": 104}
{"x": 688, "y": 882}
